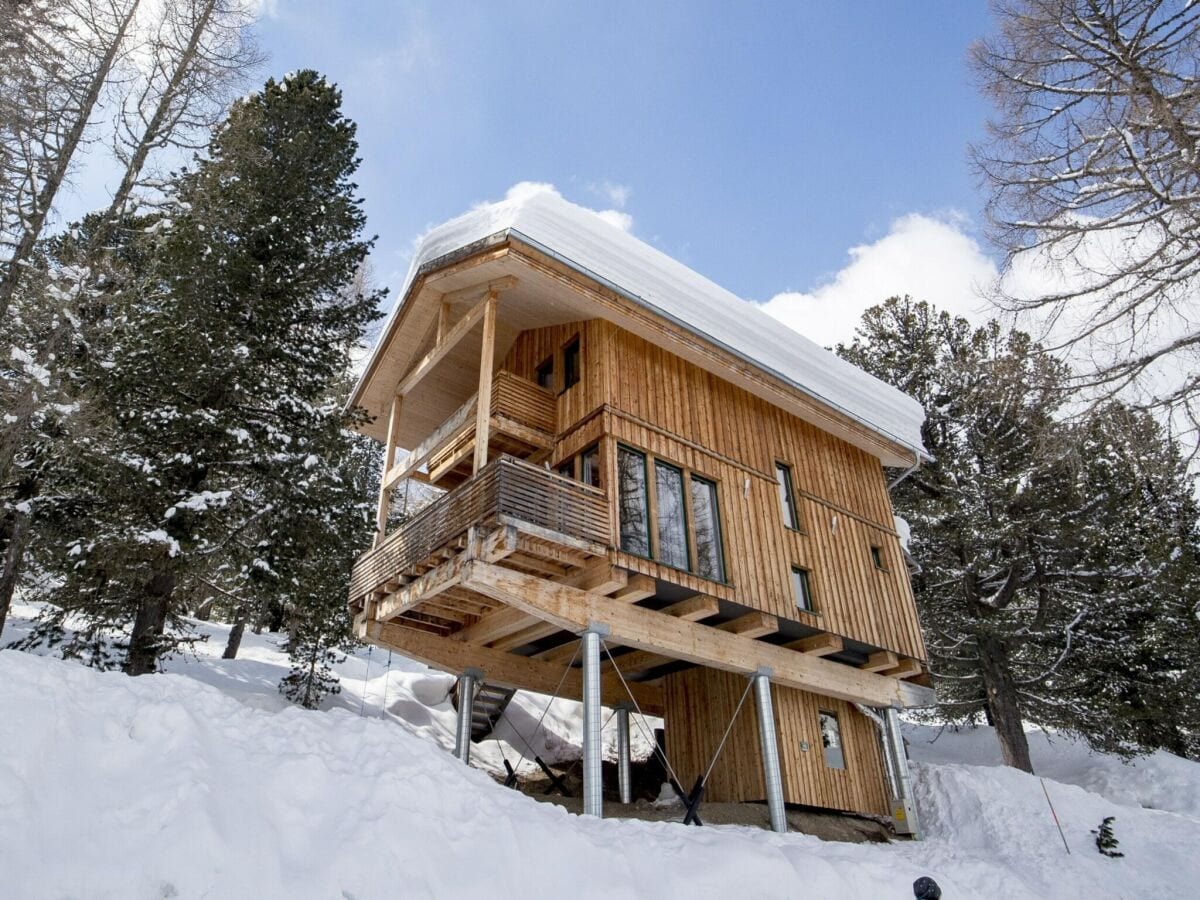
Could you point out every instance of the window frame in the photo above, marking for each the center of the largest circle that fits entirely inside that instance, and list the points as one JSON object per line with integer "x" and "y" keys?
{"x": 718, "y": 527}
{"x": 786, "y": 488}
{"x": 804, "y": 579}
{"x": 822, "y": 715}
{"x": 877, "y": 558}
{"x": 572, "y": 348}
{"x": 650, "y": 462}
{"x": 648, "y": 510}
{"x": 684, "y": 512}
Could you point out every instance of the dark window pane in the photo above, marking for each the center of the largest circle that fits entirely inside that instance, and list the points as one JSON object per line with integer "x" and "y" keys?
{"x": 545, "y": 374}
{"x": 877, "y": 557}
{"x": 672, "y": 522}
{"x": 787, "y": 498}
{"x": 831, "y": 741}
{"x": 631, "y": 500}
{"x": 566, "y": 468}
{"x": 591, "y": 467}
{"x": 801, "y": 589}
{"x": 706, "y": 525}
{"x": 571, "y": 364}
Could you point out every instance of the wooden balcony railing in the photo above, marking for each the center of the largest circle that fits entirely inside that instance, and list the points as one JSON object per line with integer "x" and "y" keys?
{"x": 506, "y": 490}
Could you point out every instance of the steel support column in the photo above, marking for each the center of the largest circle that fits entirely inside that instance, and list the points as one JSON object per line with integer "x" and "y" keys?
{"x": 593, "y": 752}
{"x": 624, "y": 766}
{"x": 770, "y": 750}
{"x": 467, "y": 683}
{"x": 904, "y": 808}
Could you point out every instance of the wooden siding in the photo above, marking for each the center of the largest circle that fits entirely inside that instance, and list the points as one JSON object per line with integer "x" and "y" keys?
{"x": 699, "y": 704}
{"x": 636, "y": 393}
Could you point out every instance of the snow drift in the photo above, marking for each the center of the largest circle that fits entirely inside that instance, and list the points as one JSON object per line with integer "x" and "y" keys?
{"x": 190, "y": 787}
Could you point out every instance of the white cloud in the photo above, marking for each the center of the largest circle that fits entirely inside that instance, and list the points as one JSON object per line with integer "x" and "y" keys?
{"x": 523, "y": 189}
{"x": 929, "y": 258}
{"x": 617, "y": 194}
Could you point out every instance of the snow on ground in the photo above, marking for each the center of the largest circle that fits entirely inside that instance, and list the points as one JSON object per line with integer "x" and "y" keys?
{"x": 205, "y": 783}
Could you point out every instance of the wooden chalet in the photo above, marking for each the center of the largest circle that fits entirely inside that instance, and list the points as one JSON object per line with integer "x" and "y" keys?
{"x": 652, "y": 493}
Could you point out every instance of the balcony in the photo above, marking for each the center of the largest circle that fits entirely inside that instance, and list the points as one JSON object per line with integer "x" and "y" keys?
{"x": 569, "y": 520}
{"x": 522, "y": 424}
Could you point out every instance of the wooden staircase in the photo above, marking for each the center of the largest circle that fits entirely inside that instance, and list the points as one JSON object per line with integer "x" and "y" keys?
{"x": 490, "y": 703}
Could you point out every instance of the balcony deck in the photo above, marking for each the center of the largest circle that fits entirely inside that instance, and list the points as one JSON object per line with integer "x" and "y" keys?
{"x": 558, "y": 526}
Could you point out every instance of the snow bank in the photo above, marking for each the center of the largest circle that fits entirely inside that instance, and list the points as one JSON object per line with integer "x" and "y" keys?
{"x": 205, "y": 783}
{"x": 589, "y": 243}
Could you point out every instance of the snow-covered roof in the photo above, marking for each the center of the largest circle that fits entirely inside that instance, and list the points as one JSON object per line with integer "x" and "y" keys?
{"x": 587, "y": 242}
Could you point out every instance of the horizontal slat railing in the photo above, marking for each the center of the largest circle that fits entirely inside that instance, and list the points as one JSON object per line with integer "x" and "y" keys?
{"x": 506, "y": 486}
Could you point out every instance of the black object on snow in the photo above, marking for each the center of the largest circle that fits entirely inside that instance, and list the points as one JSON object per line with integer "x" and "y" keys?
{"x": 925, "y": 888}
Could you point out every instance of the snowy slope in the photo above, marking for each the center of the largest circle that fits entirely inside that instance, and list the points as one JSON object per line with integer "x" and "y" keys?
{"x": 202, "y": 783}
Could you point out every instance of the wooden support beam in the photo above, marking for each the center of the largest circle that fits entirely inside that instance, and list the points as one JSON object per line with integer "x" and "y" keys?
{"x": 504, "y": 669}
{"x": 638, "y": 587}
{"x": 878, "y": 662}
{"x": 575, "y": 610}
{"x": 906, "y": 668}
{"x": 821, "y": 644}
{"x": 751, "y": 625}
{"x": 601, "y": 577}
{"x": 449, "y": 341}
{"x": 483, "y": 400}
{"x": 432, "y": 583}
{"x": 389, "y": 452}
{"x": 695, "y": 608}
{"x": 500, "y": 543}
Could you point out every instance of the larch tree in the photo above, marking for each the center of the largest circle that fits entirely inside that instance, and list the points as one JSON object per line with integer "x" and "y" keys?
{"x": 1093, "y": 160}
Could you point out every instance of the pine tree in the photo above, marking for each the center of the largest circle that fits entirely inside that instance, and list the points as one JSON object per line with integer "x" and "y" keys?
{"x": 1106, "y": 840}
{"x": 215, "y": 386}
{"x": 1057, "y": 557}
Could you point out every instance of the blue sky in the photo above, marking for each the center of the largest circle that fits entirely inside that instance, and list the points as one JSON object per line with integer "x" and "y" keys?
{"x": 757, "y": 142}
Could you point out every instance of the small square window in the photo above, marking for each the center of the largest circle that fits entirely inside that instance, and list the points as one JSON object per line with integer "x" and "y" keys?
{"x": 877, "y": 557}
{"x": 831, "y": 740}
{"x": 571, "y": 364}
{"x": 545, "y": 374}
{"x": 801, "y": 589}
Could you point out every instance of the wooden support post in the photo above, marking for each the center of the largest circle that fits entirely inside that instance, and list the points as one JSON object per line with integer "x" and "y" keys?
{"x": 483, "y": 404}
{"x": 389, "y": 452}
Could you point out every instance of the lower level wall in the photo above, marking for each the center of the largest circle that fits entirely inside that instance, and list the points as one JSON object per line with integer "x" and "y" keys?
{"x": 699, "y": 705}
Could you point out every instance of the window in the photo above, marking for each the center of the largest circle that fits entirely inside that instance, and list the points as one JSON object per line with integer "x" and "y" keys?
{"x": 800, "y": 589}
{"x": 877, "y": 558}
{"x": 706, "y": 527}
{"x": 544, "y": 376}
{"x": 571, "y": 364}
{"x": 787, "y": 496}
{"x": 679, "y": 524}
{"x": 589, "y": 463}
{"x": 831, "y": 740}
{"x": 672, "y": 515}
{"x": 566, "y": 468}
{"x": 632, "y": 502}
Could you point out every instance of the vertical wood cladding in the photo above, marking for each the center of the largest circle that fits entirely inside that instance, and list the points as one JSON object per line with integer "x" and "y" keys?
{"x": 700, "y": 703}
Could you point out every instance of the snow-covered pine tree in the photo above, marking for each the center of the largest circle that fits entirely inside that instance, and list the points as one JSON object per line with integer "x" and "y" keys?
{"x": 215, "y": 388}
{"x": 1052, "y": 554}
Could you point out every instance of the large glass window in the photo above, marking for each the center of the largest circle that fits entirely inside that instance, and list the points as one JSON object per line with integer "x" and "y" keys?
{"x": 706, "y": 527}
{"x": 787, "y": 496}
{"x": 831, "y": 740}
{"x": 571, "y": 364}
{"x": 632, "y": 502}
{"x": 672, "y": 515}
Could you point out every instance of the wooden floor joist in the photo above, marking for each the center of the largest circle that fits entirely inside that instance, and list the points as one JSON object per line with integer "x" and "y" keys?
{"x": 505, "y": 669}
{"x": 571, "y": 609}
{"x": 818, "y": 644}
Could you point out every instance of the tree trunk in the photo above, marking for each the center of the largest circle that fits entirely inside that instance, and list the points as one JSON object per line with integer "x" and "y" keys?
{"x": 235, "y": 634}
{"x": 1003, "y": 709}
{"x": 145, "y": 643}
{"x": 14, "y": 553}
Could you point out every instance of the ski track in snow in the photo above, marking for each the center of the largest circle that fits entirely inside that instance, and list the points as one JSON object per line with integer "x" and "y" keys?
{"x": 206, "y": 783}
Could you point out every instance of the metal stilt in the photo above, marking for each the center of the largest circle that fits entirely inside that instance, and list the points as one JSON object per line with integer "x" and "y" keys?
{"x": 593, "y": 757}
{"x": 624, "y": 767}
{"x": 466, "y": 704}
{"x": 904, "y": 808}
{"x": 770, "y": 750}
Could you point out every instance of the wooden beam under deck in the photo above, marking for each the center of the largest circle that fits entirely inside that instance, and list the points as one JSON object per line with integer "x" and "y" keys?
{"x": 505, "y": 669}
{"x": 574, "y": 610}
